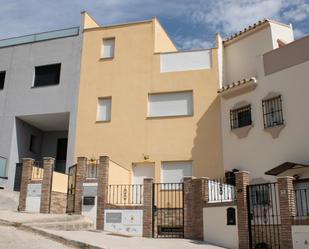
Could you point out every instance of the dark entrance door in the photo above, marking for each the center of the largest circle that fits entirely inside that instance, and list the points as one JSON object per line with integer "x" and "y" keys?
{"x": 62, "y": 145}
{"x": 264, "y": 216}
{"x": 17, "y": 179}
{"x": 168, "y": 211}
{"x": 71, "y": 189}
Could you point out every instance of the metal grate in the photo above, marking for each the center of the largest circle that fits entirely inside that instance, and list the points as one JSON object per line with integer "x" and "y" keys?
{"x": 125, "y": 194}
{"x": 240, "y": 117}
{"x": 219, "y": 191}
{"x": 302, "y": 203}
{"x": 272, "y": 112}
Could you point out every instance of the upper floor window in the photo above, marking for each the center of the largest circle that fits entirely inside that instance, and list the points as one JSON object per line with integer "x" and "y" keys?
{"x": 272, "y": 112}
{"x": 170, "y": 104}
{"x": 104, "y": 109}
{"x": 108, "y": 48}
{"x": 241, "y": 117}
{"x": 47, "y": 75}
{"x": 2, "y": 79}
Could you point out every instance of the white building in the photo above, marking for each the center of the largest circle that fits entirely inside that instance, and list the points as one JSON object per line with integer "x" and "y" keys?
{"x": 264, "y": 78}
{"x": 39, "y": 82}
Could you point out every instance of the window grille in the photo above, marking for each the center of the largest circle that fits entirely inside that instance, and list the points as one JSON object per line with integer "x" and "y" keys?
{"x": 272, "y": 112}
{"x": 241, "y": 117}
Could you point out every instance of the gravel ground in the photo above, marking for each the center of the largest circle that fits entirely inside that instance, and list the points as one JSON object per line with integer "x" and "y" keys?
{"x": 12, "y": 238}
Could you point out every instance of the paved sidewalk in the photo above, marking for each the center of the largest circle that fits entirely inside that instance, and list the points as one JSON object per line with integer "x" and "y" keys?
{"x": 112, "y": 241}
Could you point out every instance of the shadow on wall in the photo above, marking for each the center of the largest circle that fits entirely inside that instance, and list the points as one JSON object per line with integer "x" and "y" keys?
{"x": 207, "y": 147}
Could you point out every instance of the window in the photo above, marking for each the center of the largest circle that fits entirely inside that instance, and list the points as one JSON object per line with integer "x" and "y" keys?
{"x": 47, "y": 75}
{"x": 170, "y": 104}
{"x": 174, "y": 172}
{"x": 108, "y": 48}
{"x": 2, "y": 79}
{"x": 3, "y": 166}
{"x": 241, "y": 117}
{"x": 104, "y": 109}
{"x": 272, "y": 112}
{"x": 34, "y": 144}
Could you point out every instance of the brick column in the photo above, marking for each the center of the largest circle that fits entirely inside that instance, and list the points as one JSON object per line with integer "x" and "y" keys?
{"x": 25, "y": 179}
{"x": 102, "y": 173}
{"x": 242, "y": 181}
{"x": 193, "y": 208}
{"x": 79, "y": 187}
{"x": 48, "y": 166}
{"x": 287, "y": 210}
{"x": 147, "y": 207}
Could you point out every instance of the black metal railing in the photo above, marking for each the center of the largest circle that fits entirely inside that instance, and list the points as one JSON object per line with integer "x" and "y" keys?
{"x": 125, "y": 194}
{"x": 218, "y": 191}
{"x": 92, "y": 170}
{"x": 302, "y": 203}
{"x": 37, "y": 171}
{"x": 272, "y": 112}
{"x": 240, "y": 117}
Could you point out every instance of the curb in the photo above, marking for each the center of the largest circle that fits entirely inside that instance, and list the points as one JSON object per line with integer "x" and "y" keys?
{"x": 54, "y": 237}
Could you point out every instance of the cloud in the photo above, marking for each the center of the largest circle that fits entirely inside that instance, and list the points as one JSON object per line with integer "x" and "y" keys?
{"x": 186, "y": 43}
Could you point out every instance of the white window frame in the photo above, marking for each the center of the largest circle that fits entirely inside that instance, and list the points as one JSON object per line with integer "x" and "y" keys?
{"x": 112, "y": 55}
{"x": 108, "y": 117}
{"x": 190, "y": 106}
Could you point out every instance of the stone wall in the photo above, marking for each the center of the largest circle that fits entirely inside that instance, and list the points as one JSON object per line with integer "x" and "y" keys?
{"x": 58, "y": 203}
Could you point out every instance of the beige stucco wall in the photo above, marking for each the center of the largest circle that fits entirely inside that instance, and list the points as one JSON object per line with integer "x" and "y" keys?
{"x": 128, "y": 78}
{"x": 118, "y": 174}
{"x": 60, "y": 182}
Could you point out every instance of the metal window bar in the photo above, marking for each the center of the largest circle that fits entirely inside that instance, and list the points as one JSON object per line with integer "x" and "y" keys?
{"x": 37, "y": 171}
{"x": 272, "y": 112}
{"x": 219, "y": 191}
{"x": 302, "y": 203}
{"x": 240, "y": 117}
{"x": 125, "y": 194}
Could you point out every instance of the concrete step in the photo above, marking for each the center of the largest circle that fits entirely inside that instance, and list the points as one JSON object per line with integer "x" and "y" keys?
{"x": 64, "y": 225}
{"x": 47, "y": 218}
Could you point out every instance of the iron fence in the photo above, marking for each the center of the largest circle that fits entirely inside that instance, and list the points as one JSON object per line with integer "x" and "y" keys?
{"x": 125, "y": 194}
{"x": 37, "y": 171}
{"x": 219, "y": 191}
{"x": 302, "y": 203}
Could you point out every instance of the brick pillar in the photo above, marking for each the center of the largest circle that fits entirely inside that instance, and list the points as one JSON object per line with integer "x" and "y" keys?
{"x": 242, "y": 181}
{"x": 25, "y": 179}
{"x": 287, "y": 210}
{"x": 48, "y": 166}
{"x": 79, "y": 187}
{"x": 147, "y": 207}
{"x": 102, "y": 172}
{"x": 193, "y": 208}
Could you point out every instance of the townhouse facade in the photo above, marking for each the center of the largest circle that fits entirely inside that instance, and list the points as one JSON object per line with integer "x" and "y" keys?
{"x": 38, "y": 95}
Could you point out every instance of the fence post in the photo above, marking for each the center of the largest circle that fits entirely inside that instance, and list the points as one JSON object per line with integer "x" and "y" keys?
{"x": 48, "y": 166}
{"x": 193, "y": 208}
{"x": 287, "y": 210}
{"x": 147, "y": 207}
{"x": 102, "y": 175}
{"x": 79, "y": 187}
{"x": 242, "y": 182}
{"x": 25, "y": 179}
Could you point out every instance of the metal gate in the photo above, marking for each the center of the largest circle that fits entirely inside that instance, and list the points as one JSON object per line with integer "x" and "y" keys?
{"x": 264, "y": 216}
{"x": 168, "y": 211}
{"x": 71, "y": 189}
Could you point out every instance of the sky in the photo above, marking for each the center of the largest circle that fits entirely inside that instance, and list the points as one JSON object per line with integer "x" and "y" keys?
{"x": 192, "y": 24}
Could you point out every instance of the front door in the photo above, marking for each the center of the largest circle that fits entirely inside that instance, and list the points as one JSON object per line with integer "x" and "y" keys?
{"x": 62, "y": 145}
{"x": 142, "y": 171}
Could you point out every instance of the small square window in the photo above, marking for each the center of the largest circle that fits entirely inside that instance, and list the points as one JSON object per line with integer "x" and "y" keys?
{"x": 2, "y": 79}
{"x": 241, "y": 117}
{"x": 272, "y": 112}
{"x": 47, "y": 75}
{"x": 104, "y": 109}
{"x": 108, "y": 48}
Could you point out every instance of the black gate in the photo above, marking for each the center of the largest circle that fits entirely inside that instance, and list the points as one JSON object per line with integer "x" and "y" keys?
{"x": 264, "y": 216}
{"x": 168, "y": 212}
{"x": 71, "y": 189}
{"x": 18, "y": 173}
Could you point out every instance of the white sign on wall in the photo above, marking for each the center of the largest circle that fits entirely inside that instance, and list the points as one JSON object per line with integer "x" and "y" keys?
{"x": 33, "y": 200}
{"x": 128, "y": 222}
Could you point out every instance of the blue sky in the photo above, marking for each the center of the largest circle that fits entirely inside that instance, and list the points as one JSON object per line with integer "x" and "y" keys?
{"x": 190, "y": 23}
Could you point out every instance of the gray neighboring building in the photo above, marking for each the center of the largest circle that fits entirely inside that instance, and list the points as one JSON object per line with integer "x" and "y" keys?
{"x": 39, "y": 84}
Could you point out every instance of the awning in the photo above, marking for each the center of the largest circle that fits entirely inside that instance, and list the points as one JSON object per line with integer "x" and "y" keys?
{"x": 284, "y": 167}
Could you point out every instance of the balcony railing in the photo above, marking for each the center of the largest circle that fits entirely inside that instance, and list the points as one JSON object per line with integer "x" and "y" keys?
{"x": 219, "y": 191}
{"x": 125, "y": 194}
